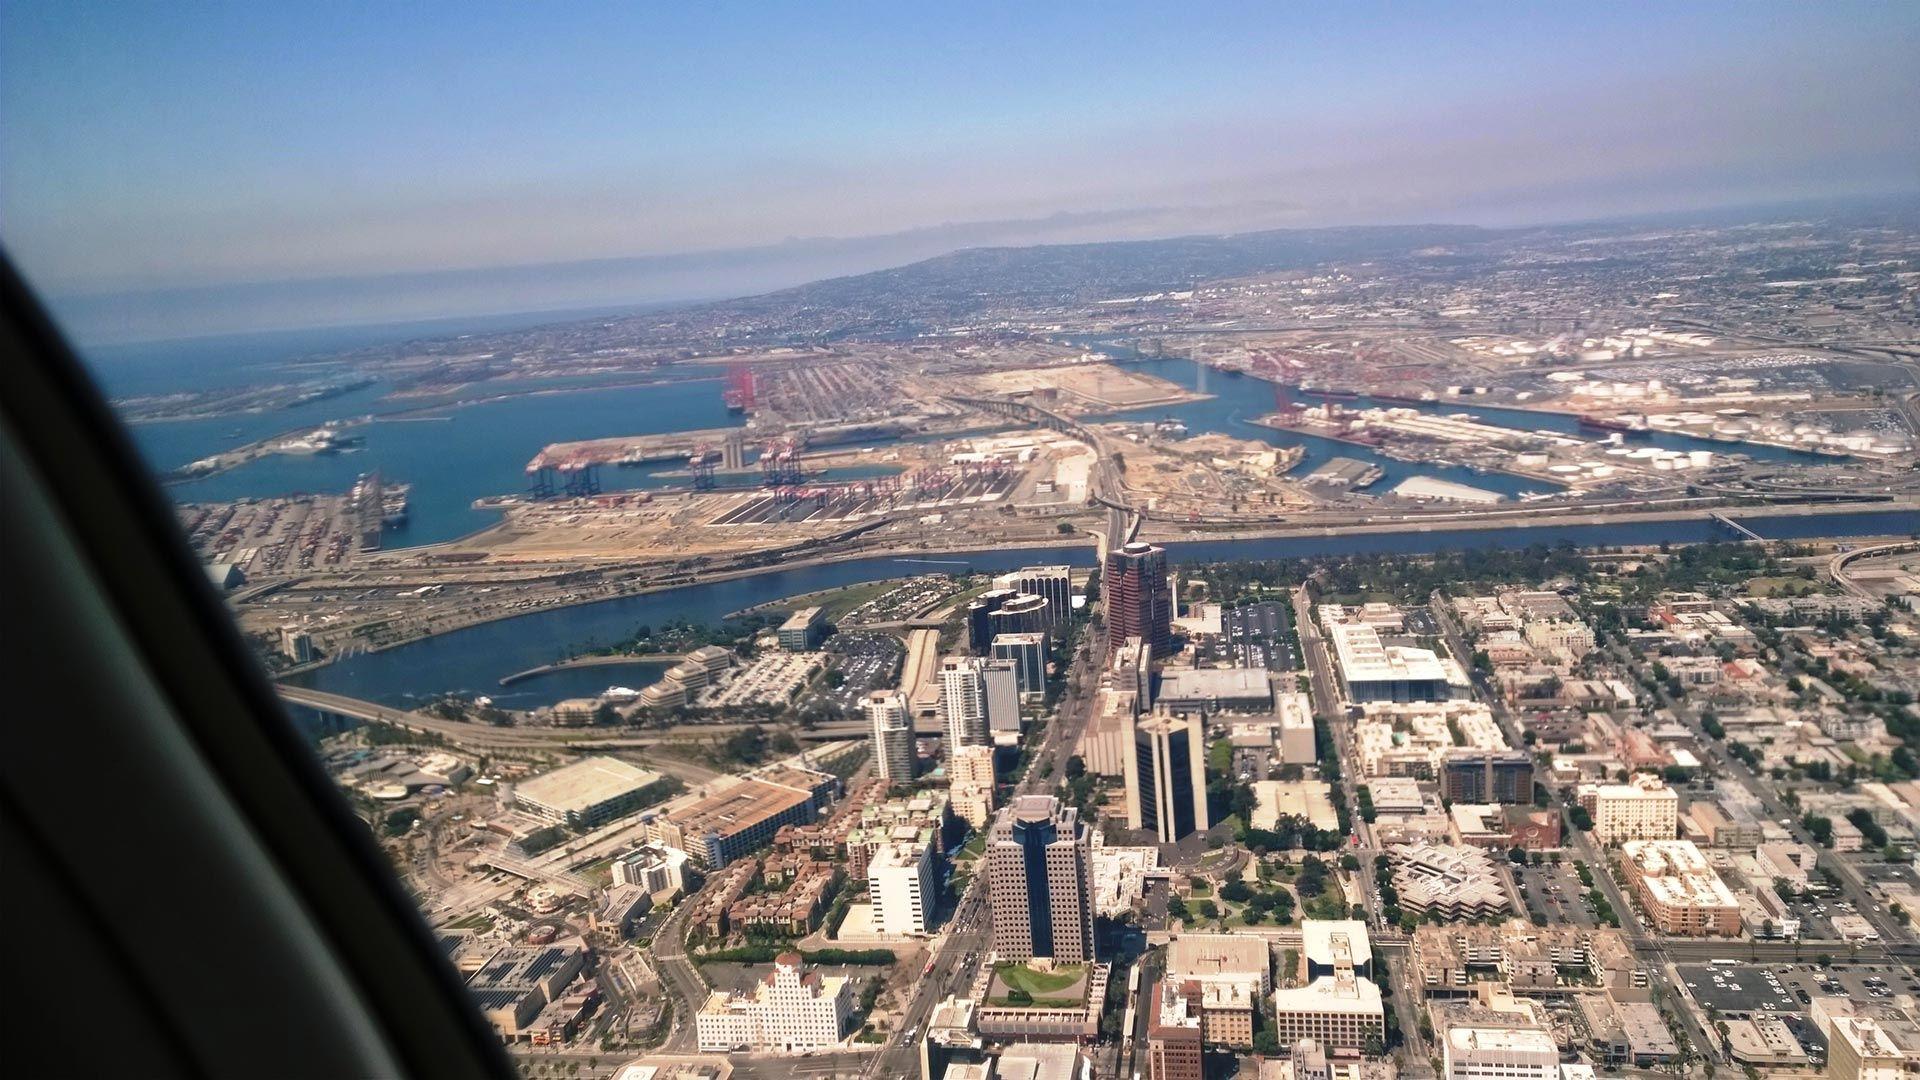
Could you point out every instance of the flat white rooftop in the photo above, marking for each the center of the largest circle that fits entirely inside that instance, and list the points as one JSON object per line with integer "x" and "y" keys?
{"x": 1528, "y": 1040}
{"x": 583, "y": 784}
{"x": 1364, "y": 658}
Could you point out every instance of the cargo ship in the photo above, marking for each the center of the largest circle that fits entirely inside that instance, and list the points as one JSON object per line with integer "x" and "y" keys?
{"x": 1608, "y": 423}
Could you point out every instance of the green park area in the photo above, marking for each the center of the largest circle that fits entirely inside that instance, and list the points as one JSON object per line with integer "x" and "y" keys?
{"x": 1020, "y": 986}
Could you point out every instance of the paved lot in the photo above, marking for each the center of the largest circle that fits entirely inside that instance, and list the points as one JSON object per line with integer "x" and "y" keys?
{"x": 1740, "y": 989}
{"x": 1255, "y": 636}
{"x": 1556, "y": 893}
{"x": 1786, "y": 988}
{"x": 867, "y": 661}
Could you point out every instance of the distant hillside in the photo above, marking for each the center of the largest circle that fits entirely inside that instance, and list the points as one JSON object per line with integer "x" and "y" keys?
{"x": 961, "y": 287}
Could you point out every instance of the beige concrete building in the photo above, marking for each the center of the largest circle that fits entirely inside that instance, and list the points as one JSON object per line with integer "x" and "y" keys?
{"x": 970, "y": 784}
{"x": 1039, "y": 883}
{"x": 1339, "y": 1012}
{"x": 1871, "y": 1048}
{"x": 1484, "y": 1052}
{"x": 792, "y": 1010}
{"x": 1646, "y": 809}
{"x": 1679, "y": 891}
{"x": 1229, "y": 975}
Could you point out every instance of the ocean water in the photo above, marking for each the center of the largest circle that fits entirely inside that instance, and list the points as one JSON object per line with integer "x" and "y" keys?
{"x": 455, "y": 454}
{"x": 451, "y": 456}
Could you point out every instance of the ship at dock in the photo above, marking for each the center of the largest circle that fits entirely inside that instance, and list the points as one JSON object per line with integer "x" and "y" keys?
{"x": 1635, "y": 429}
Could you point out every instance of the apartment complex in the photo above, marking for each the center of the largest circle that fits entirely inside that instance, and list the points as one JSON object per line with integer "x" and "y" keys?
{"x": 963, "y": 701}
{"x": 902, "y": 886}
{"x": 1679, "y": 891}
{"x": 1038, "y": 882}
{"x": 655, "y": 870}
{"x": 1451, "y": 960}
{"x": 893, "y": 738}
{"x": 970, "y": 784}
{"x": 980, "y": 699}
{"x": 1645, "y": 809}
{"x": 790, "y": 1011}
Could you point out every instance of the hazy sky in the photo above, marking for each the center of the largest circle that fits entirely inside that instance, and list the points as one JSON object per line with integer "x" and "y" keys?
{"x": 171, "y": 145}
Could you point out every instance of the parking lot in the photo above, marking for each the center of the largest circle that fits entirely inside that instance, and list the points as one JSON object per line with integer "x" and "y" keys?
{"x": 1816, "y": 914}
{"x": 904, "y": 601}
{"x": 866, "y": 662}
{"x": 1259, "y": 636}
{"x": 1555, "y": 893}
{"x": 1744, "y": 988}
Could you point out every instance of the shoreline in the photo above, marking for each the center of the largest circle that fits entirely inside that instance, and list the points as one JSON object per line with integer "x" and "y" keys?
{"x": 1456, "y": 522}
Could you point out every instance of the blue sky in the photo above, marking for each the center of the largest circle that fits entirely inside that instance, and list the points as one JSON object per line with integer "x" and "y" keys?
{"x": 158, "y": 145}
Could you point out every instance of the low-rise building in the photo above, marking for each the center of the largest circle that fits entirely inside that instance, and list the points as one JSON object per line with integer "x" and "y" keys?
{"x": 1340, "y": 1012}
{"x": 1175, "y": 1032}
{"x": 1482, "y": 1051}
{"x": 802, "y": 629}
{"x": 792, "y": 1010}
{"x": 1216, "y": 690}
{"x": 1373, "y": 671}
{"x": 1451, "y": 882}
{"x": 1228, "y": 976}
{"x": 730, "y": 823}
{"x": 660, "y": 871}
{"x": 1527, "y": 959}
{"x": 589, "y": 792}
{"x": 516, "y": 983}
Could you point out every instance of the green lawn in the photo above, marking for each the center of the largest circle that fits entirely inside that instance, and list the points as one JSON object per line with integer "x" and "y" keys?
{"x": 1039, "y": 983}
{"x": 1220, "y": 756}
